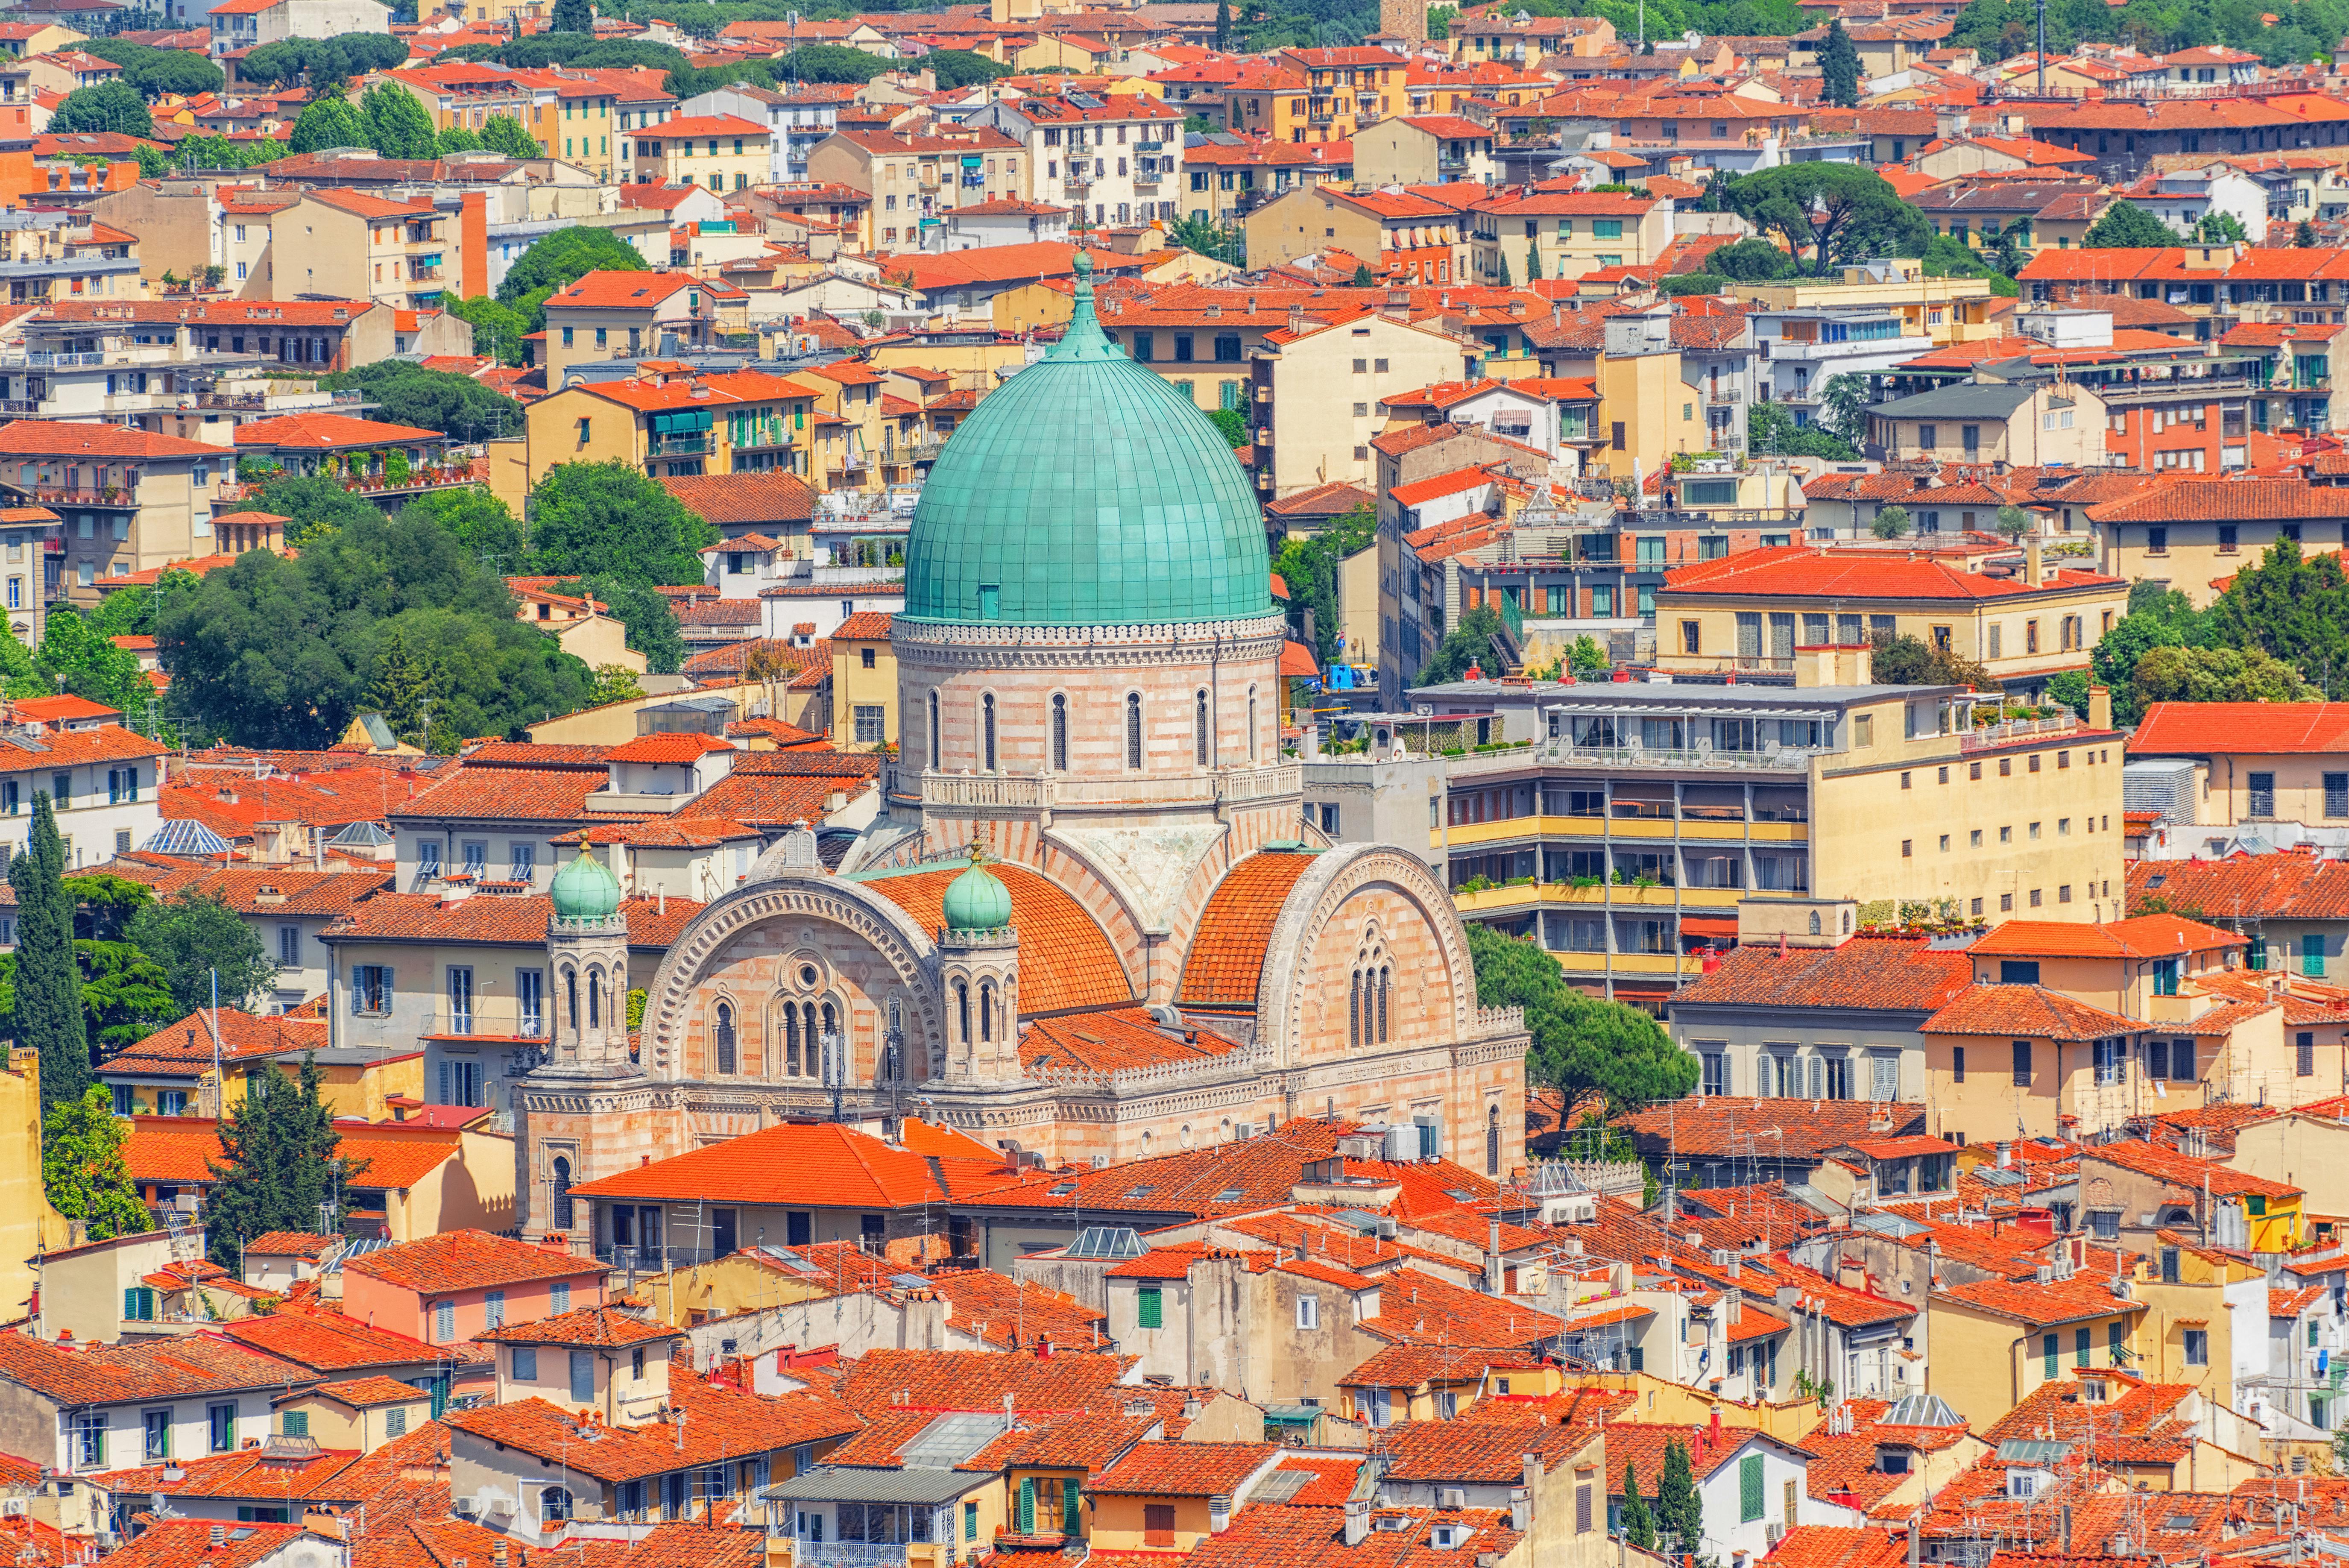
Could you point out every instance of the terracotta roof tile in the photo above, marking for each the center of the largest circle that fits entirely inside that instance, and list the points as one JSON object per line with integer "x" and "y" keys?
{"x": 2144, "y": 935}
{"x": 2026, "y": 1010}
{"x": 1085, "y": 970}
{"x": 1227, "y": 956}
{"x": 469, "y": 1259}
{"x": 1184, "y": 1469}
{"x": 721, "y": 1424}
{"x": 938, "y": 1380}
{"x": 1873, "y": 973}
{"x": 602, "y": 1328}
{"x": 819, "y": 1164}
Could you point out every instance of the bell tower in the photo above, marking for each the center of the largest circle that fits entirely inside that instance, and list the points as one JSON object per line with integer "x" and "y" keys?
{"x": 587, "y": 967}
{"x": 978, "y": 960}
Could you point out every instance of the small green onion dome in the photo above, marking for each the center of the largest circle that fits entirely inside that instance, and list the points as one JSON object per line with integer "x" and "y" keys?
{"x": 978, "y": 901}
{"x": 1086, "y": 491}
{"x": 586, "y": 889}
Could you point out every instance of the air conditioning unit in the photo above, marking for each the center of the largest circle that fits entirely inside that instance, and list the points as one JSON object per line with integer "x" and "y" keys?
{"x": 1451, "y": 1497}
{"x": 2045, "y": 1273}
{"x": 1775, "y": 1532}
{"x": 1101, "y": 1162}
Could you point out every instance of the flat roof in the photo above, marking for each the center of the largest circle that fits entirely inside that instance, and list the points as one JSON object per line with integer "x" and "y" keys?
{"x": 1666, "y": 694}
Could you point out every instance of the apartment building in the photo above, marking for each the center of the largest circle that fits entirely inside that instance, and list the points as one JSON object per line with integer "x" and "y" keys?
{"x": 673, "y": 426}
{"x": 67, "y": 255}
{"x": 129, "y": 500}
{"x": 1116, "y": 159}
{"x": 1755, "y": 611}
{"x": 577, "y": 116}
{"x": 2023, "y": 424}
{"x": 1424, "y": 150}
{"x": 1621, "y": 825}
{"x": 1225, "y": 180}
{"x": 915, "y": 177}
{"x": 1564, "y": 234}
{"x": 1314, "y": 395}
{"x": 1423, "y": 237}
{"x": 1343, "y": 89}
{"x": 239, "y": 25}
{"x": 718, "y": 152}
{"x": 625, "y": 315}
{"x": 2194, "y": 534}
{"x": 796, "y": 117}
{"x": 349, "y": 244}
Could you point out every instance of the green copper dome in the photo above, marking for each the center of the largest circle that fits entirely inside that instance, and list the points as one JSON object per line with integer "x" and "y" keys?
{"x": 978, "y": 901}
{"x": 1086, "y": 491}
{"x": 586, "y": 889}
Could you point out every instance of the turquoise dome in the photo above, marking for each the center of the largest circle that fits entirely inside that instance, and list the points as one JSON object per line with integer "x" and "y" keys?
{"x": 1086, "y": 491}
{"x": 978, "y": 901}
{"x": 584, "y": 890}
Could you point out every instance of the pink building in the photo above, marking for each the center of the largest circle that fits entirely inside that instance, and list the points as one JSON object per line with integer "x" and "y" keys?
{"x": 446, "y": 1289}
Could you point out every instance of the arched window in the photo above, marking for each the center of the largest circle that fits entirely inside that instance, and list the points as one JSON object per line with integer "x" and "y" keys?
{"x": 933, "y": 759}
{"x": 1383, "y": 977}
{"x": 1251, "y": 724}
{"x": 571, "y": 990}
{"x": 986, "y": 729}
{"x": 1354, "y": 1010}
{"x": 986, "y": 1012}
{"x": 1491, "y": 1140}
{"x": 1815, "y": 922}
{"x": 594, "y": 999}
{"x": 725, "y": 1033}
{"x": 1060, "y": 733}
{"x": 831, "y": 1018}
{"x": 559, "y": 1177}
{"x": 554, "y": 1503}
{"x": 1133, "y": 729}
{"x": 893, "y": 1048}
{"x": 1199, "y": 729}
{"x": 791, "y": 1040}
{"x": 962, "y": 1012}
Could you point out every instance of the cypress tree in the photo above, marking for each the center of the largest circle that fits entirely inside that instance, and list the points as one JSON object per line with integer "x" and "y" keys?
{"x": 1680, "y": 1512}
{"x": 1839, "y": 68}
{"x": 1638, "y": 1524}
{"x": 280, "y": 1144}
{"x": 48, "y": 981}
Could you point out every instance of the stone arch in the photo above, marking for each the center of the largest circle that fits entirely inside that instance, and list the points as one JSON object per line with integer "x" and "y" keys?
{"x": 901, "y": 945}
{"x": 1316, "y": 900}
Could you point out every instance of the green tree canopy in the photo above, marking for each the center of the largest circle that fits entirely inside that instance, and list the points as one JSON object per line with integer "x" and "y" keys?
{"x": 226, "y": 152}
{"x": 1308, "y": 569}
{"x": 327, "y": 122}
{"x": 832, "y": 63}
{"x": 505, "y": 133}
{"x": 153, "y": 71}
{"x": 47, "y": 1014}
{"x": 2157, "y": 618}
{"x": 395, "y": 124}
{"x": 558, "y": 261}
{"x": 431, "y": 399}
{"x": 1906, "y": 660}
{"x": 1891, "y": 523}
{"x": 315, "y": 505}
{"x": 962, "y": 68}
{"x": 1839, "y": 68}
{"x": 607, "y": 520}
{"x": 1581, "y": 1045}
{"x": 322, "y": 62}
{"x": 1469, "y": 643}
{"x": 269, "y": 651}
{"x": 84, "y": 659}
{"x": 193, "y": 935}
{"x": 2125, "y": 226}
{"x": 499, "y": 328}
{"x": 1638, "y": 1524}
{"x": 1680, "y": 1511}
{"x": 480, "y": 523}
{"x": 108, "y": 106}
{"x": 573, "y": 16}
{"x": 1750, "y": 261}
{"x": 651, "y": 621}
{"x": 84, "y": 1171}
{"x": 1837, "y": 211}
{"x": 282, "y": 1164}
{"x": 1771, "y": 431}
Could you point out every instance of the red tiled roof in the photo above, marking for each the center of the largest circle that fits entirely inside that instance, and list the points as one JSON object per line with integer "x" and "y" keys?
{"x": 2082, "y": 1297}
{"x": 1085, "y": 970}
{"x": 1888, "y": 974}
{"x": 181, "y": 1150}
{"x": 287, "y": 1244}
{"x": 722, "y": 1424}
{"x": 2195, "y": 729}
{"x": 941, "y": 1380}
{"x": 1184, "y": 1469}
{"x": 601, "y": 1327}
{"x": 2249, "y": 886}
{"x": 1810, "y": 571}
{"x": 2031, "y": 1012}
{"x": 1227, "y": 956}
{"x": 818, "y": 1164}
{"x": 620, "y": 290}
{"x": 469, "y": 1259}
{"x": 58, "y": 438}
{"x": 2144, "y": 936}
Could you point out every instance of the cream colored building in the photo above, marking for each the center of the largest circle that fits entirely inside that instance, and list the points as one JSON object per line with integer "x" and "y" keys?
{"x": 1423, "y": 239}
{"x": 607, "y": 315}
{"x": 1564, "y": 234}
{"x": 2253, "y": 762}
{"x": 719, "y": 152}
{"x": 1754, "y": 610}
{"x": 1946, "y": 309}
{"x": 361, "y": 1412}
{"x": 1315, "y": 403}
{"x": 2024, "y": 425}
{"x": 1423, "y": 149}
{"x": 348, "y": 245}
{"x": 863, "y": 684}
{"x": 2195, "y": 534}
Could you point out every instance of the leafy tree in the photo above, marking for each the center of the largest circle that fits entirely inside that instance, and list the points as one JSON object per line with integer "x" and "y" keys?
{"x": 271, "y": 651}
{"x": 1838, "y": 212}
{"x": 1586, "y": 658}
{"x": 130, "y": 612}
{"x": 1839, "y": 68}
{"x": 1308, "y": 569}
{"x": 431, "y": 399}
{"x": 1771, "y": 431}
{"x": 1891, "y": 523}
{"x": 505, "y": 133}
{"x": 47, "y": 1016}
{"x": 2218, "y": 675}
{"x": 1680, "y": 1511}
{"x": 499, "y": 328}
{"x": 280, "y": 1167}
{"x": 2220, "y": 229}
{"x": 563, "y": 258}
{"x": 2157, "y": 618}
{"x": 1638, "y": 1524}
{"x": 125, "y": 995}
{"x": 2071, "y": 689}
{"x": 962, "y": 68}
{"x": 1533, "y": 261}
{"x": 84, "y": 661}
{"x": 1682, "y": 284}
{"x": 573, "y": 16}
{"x": 153, "y": 71}
{"x": 1223, "y": 25}
{"x": 395, "y": 124}
{"x": 2013, "y": 521}
{"x": 193, "y": 935}
{"x": 2125, "y": 226}
{"x": 2304, "y": 234}
{"x": 480, "y": 523}
{"x": 2288, "y": 604}
{"x": 1751, "y": 261}
{"x": 456, "y": 139}
{"x": 1469, "y": 643}
{"x": 1362, "y": 277}
{"x": 84, "y": 1171}
{"x": 832, "y": 63}
{"x": 1844, "y": 403}
{"x": 327, "y": 122}
{"x": 1232, "y": 424}
{"x": 108, "y": 106}
{"x": 1906, "y": 660}
{"x": 316, "y": 504}
{"x": 1581, "y": 1045}
{"x": 1203, "y": 238}
{"x": 605, "y": 519}
{"x": 226, "y": 152}
{"x": 400, "y": 690}
{"x": 1439, "y": 22}
{"x": 614, "y": 683}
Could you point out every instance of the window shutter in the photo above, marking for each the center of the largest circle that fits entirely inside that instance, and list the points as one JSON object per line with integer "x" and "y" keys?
{"x": 1146, "y": 1307}
{"x": 1582, "y": 1510}
{"x": 1028, "y": 1506}
{"x": 1069, "y": 1506}
{"x": 1749, "y": 1486}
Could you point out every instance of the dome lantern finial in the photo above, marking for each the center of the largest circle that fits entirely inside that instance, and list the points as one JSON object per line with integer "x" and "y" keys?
{"x": 1085, "y": 339}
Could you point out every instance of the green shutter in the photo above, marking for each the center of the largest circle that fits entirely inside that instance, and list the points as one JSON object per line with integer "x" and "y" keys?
{"x": 1146, "y": 1307}
{"x": 1069, "y": 1508}
{"x": 1028, "y": 1506}
{"x": 2080, "y": 1346}
{"x": 2048, "y": 1353}
{"x": 2311, "y": 956}
{"x": 1749, "y": 1488}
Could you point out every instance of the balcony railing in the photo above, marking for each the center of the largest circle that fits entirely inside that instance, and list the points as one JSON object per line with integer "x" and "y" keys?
{"x": 807, "y": 1553}
{"x": 700, "y": 445}
{"x": 112, "y": 495}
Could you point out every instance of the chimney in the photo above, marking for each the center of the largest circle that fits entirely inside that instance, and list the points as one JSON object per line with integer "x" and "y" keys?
{"x": 1521, "y": 1509}
{"x": 2100, "y": 708}
{"x": 1533, "y": 1473}
{"x": 2005, "y": 1155}
{"x": 2035, "y": 570}
{"x": 217, "y": 1536}
{"x": 1493, "y": 1258}
{"x": 1357, "y": 1528}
